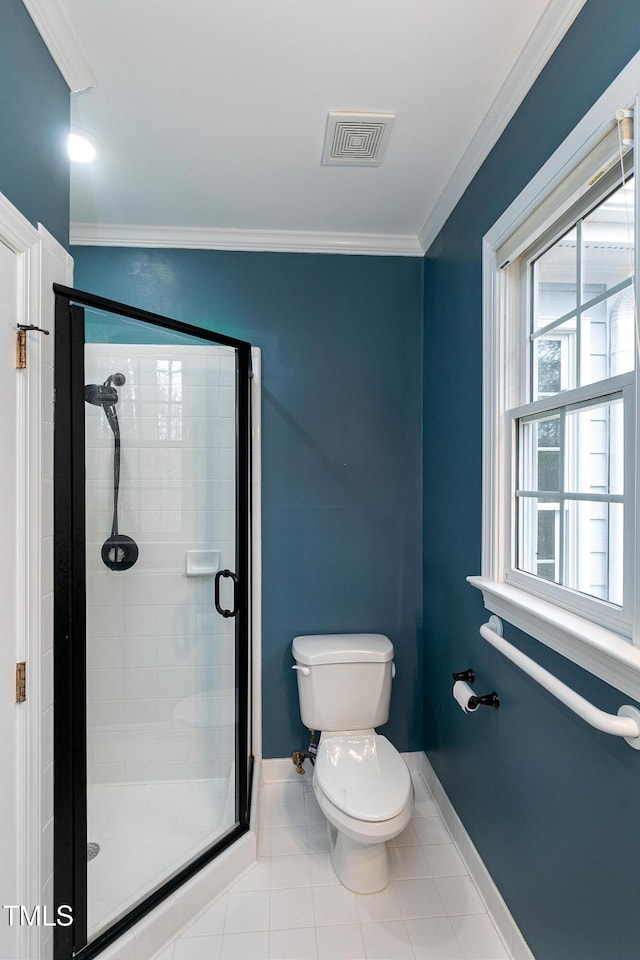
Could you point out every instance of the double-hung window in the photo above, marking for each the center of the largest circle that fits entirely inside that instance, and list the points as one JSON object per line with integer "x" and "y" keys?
{"x": 569, "y": 450}
{"x": 561, "y": 550}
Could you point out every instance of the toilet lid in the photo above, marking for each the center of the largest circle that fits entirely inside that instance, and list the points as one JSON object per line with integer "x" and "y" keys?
{"x": 363, "y": 775}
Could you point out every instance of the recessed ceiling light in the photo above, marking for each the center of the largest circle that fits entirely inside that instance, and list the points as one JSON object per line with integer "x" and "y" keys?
{"x": 81, "y": 146}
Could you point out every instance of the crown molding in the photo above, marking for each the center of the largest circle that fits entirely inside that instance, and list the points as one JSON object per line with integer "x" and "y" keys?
{"x": 55, "y": 29}
{"x": 277, "y": 241}
{"x": 551, "y": 28}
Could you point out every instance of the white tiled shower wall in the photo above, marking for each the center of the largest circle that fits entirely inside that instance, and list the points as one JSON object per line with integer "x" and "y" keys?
{"x": 161, "y": 697}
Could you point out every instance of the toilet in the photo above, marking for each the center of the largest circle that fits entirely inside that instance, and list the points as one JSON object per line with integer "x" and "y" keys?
{"x": 360, "y": 781}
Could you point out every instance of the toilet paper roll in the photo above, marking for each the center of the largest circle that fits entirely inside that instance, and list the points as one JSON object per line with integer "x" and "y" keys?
{"x": 462, "y": 693}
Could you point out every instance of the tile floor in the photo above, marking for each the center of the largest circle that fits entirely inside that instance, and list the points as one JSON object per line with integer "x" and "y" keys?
{"x": 290, "y": 906}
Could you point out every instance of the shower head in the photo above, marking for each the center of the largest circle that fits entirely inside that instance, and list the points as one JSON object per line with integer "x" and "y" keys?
{"x": 118, "y": 551}
{"x": 100, "y": 394}
{"x": 103, "y": 395}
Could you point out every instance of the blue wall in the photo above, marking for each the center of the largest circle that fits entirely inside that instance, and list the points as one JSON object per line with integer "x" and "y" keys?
{"x": 551, "y": 804}
{"x": 342, "y": 430}
{"x": 34, "y": 120}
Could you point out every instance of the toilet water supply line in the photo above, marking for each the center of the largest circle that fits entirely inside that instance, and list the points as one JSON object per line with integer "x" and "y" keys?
{"x": 627, "y": 722}
{"x": 298, "y": 757}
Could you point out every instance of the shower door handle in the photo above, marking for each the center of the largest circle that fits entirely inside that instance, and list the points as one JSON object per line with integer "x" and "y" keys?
{"x": 219, "y": 575}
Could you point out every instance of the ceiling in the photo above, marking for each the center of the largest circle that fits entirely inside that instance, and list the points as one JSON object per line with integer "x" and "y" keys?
{"x": 211, "y": 114}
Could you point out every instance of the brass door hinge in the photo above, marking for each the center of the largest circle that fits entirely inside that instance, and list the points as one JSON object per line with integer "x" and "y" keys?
{"x": 21, "y": 682}
{"x": 21, "y": 343}
{"x": 21, "y": 349}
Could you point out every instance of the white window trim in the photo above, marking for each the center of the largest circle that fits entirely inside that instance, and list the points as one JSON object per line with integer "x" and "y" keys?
{"x": 597, "y": 649}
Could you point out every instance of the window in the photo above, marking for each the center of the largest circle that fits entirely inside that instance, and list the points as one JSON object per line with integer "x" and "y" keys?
{"x": 561, "y": 542}
{"x": 574, "y": 313}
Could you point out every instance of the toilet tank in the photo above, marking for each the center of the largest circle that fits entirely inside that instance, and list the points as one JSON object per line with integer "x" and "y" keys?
{"x": 344, "y": 680}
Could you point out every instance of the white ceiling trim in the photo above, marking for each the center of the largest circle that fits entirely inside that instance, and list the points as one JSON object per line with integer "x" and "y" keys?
{"x": 55, "y": 29}
{"x": 551, "y": 28}
{"x": 280, "y": 241}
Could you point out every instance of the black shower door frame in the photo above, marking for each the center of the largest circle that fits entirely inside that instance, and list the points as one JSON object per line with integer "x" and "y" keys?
{"x": 70, "y": 681}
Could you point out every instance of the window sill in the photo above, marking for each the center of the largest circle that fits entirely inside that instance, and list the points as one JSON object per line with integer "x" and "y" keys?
{"x": 596, "y": 649}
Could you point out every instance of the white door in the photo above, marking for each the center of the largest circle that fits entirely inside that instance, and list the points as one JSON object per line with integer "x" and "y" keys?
{"x": 9, "y": 286}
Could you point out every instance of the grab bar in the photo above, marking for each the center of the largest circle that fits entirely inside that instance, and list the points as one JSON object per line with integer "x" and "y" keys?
{"x": 626, "y": 724}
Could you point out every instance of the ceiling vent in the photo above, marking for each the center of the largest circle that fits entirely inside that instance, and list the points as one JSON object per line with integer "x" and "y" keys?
{"x": 356, "y": 139}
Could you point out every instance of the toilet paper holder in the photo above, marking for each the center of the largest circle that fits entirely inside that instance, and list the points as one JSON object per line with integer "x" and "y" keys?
{"x": 467, "y": 676}
{"x": 486, "y": 700}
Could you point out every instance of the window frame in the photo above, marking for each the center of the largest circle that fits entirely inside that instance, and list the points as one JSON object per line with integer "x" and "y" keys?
{"x": 620, "y": 621}
{"x": 606, "y": 647}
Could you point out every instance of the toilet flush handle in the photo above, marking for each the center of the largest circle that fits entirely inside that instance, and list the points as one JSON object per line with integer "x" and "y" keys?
{"x": 305, "y": 671}
{"x": 393, "y": 671}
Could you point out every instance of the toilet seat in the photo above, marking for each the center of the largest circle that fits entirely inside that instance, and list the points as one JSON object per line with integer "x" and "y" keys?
{"x": 363, "y": 777}
{"x": 364, "y": 831}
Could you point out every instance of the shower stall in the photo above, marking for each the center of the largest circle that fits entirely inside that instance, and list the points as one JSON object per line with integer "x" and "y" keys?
{"x": 152, "y": 609}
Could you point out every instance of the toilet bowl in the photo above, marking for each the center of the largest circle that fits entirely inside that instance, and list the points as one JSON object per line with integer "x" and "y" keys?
{"x": 364, "y": 789}
{"x": 361, "y": 783}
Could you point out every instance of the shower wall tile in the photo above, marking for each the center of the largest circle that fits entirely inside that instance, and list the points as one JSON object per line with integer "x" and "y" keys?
{"x": 107, "y": 684}
{"x": 105, "y": 748}
{"x": 102, "y": 587}
{"x": 106, "y": 772}
{"x": 141, "y": 749}
{"x": 104, "y": 622}
{"x": 202, "y": 769}
{"x": 140, "y": 620}
{"x": 227, "y": 401}
{"x": 140, "y": 771}
{"x": 177, "y": 684}
{"x": 140, "y": 683}
{"x": 106, "y": 713}
{"x": 139, "y": 711}
{"x": 141, "y": 652}
{"x": 160, "y": 660}
{"x": 181, "y": 651}
{"x": 142, "y": 587}
{"x": 172, "y": 769}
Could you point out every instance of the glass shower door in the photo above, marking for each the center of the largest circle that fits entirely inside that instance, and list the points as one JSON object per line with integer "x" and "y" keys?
{"x": 159, "y": 482}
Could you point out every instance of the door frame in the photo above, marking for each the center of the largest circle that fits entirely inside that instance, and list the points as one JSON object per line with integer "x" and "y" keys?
{"x": 41, "y": 261}
{"x": 69, "y": 627}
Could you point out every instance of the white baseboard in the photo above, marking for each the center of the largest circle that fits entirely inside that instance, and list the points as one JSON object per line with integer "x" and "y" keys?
{"x": 282, "y": 769}
{"x": 477, "y": 871}
{"x": 276, "y": 771}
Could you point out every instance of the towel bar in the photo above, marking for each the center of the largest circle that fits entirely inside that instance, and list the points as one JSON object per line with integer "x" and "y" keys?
{"x": 626, "y": 724}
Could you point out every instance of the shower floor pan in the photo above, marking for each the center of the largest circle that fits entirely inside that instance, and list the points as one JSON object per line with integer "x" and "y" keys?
{"x": 147, "y": 832}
